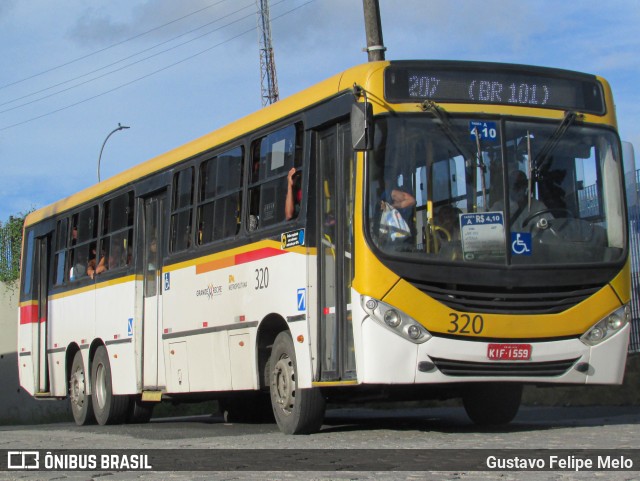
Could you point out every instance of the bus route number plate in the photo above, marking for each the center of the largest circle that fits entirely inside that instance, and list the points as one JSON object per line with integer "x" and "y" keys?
{"x": 509, "y": 352}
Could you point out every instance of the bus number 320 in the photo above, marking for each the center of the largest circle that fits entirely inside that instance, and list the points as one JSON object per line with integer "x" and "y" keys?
{"x": 465, "y": 324}
{"x": 262, "y": 278}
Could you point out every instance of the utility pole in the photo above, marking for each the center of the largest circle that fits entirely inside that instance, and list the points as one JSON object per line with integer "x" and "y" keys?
{"x": 373, "y": 27}
{"x": 268, "y": 79}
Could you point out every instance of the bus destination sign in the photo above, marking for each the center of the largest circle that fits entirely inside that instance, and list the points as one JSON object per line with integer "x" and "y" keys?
{"x": 482, "y": 85}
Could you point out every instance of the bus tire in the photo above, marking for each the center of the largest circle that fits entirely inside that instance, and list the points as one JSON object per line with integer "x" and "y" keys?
{"x": 139, "y": 412}
{"x": 81, "y": 405}
{"x": 492, "y": 404}
{"x": 108, "y": 409}
{"x": 297, "y": 411}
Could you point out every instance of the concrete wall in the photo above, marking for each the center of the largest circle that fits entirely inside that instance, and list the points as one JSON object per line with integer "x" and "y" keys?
{"x": 17, "y": 406}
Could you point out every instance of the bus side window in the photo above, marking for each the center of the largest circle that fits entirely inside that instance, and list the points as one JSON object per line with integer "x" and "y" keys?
{"x": 181, "y": 212}
{"x": 117, "y": 233}
{"x": 83, "y": 241}
{"x": 28, "y": 265}
{"x": 220, "y": 196}
{"x": 62, "y": 236}
{"x": 273, "y": 156}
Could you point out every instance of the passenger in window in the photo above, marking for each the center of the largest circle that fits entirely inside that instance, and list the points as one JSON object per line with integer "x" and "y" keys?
{"x": 402, "y": 200}
{"x": 294, "y": 194}
{"x": 448, "y": 220}
{"x": 94, "y": 268}
{"x": 79, "y": 267}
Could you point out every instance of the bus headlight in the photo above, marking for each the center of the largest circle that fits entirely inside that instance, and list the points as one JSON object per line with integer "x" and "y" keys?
{"x": 607, "y": 327}
{"x": 395, "y": 320}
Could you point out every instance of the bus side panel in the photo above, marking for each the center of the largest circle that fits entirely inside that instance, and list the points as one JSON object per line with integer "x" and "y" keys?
{"x": 28, "y": 315}
{"x": 195, "y": 344}
{"x": 115, "y": 307}
{"x": 218, "y": 304}
{"x": 59, "y": 335}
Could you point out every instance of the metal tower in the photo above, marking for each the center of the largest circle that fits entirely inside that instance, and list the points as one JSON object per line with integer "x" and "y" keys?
{"x": 268, "y": 80}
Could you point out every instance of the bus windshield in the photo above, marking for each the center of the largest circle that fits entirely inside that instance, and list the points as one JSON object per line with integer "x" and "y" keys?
{"x": 499, "y": 191}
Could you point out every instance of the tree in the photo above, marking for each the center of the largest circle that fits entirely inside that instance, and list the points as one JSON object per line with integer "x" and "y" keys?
{"x": 10, "y": 248}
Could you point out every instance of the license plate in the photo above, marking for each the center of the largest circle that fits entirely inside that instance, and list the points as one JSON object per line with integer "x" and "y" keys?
{"x": 509, "y": 352}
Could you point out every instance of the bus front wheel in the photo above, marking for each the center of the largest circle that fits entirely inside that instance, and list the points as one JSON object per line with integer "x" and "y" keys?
{"x": 492, "y": 404}
{"x": 297, "y": 411}
{"x": 109, "y": 409}
{"x": 80, "y": 401}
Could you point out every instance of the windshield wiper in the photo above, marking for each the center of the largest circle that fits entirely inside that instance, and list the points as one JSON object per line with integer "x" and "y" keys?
{"x": 542, "y": 159}
{"x": 445, "y": 125}
{"x": 471, "y": 159}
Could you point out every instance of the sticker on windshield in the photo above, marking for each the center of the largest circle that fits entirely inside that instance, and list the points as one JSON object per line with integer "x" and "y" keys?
{"x": 486, "y": 130}
{"x": 521, "y": 243}
{"x": 482, "y": 236}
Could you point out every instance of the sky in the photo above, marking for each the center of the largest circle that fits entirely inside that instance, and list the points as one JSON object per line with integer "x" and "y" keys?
{"x": 175, "y": 70}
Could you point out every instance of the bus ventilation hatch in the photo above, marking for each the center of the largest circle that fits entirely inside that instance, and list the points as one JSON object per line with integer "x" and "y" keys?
{"x": 504, "y": 369}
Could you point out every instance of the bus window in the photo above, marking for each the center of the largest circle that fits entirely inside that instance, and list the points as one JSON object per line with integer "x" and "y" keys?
{"x": 220, "y": 196}
{"x": 83, "y": 239}
{"x": 27, "y": 271}
{"x": 273, "y": 156}
{"x": 181, "y": 210}
{"x": 117, "y": 233}
{"x": 61, "y": 251}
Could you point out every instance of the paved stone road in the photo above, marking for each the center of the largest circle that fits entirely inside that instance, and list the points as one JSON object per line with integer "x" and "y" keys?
{"x": 430, "y": 429}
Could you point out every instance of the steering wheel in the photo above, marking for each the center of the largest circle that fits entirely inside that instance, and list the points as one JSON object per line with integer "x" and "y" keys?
{"x": 546, "y": 211}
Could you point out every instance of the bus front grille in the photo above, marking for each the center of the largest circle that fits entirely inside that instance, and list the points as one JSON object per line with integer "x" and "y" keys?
{"x": 503, "y": 369}
{"x": 508, "y": 301}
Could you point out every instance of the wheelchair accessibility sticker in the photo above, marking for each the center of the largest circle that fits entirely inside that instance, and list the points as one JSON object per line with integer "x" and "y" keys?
{"x": 521, "y": 243}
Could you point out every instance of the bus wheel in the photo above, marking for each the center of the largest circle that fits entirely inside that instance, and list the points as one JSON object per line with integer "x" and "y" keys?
{"x": 81, "y": 406}
{"x": 492, "y": 404}
{"x": 139, "y": 412}
{"x": 109, "y": 409}
{"x": 297, "y": 411}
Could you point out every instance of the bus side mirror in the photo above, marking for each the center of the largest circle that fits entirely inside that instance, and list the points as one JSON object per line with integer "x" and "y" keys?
{"x": 361, "y": 126}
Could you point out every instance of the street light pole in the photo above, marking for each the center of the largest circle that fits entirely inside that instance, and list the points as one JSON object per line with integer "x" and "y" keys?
{"x": 119, "y": 127}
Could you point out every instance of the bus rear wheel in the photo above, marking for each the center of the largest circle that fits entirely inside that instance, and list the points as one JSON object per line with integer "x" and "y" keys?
{"x": 80, "y": 401}
{"x": 492, "y": 404}
{"x": 108, "y": 409}
{"x": 139, "y": 412}
{"x": 297, "y": 411}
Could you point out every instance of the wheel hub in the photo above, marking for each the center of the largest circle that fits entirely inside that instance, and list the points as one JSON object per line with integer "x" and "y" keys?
{"x": 78, "y": 388}
{"x": 284, "y": 383}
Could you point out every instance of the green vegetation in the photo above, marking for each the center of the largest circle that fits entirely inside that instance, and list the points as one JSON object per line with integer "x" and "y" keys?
{"x": 10, "y": 246}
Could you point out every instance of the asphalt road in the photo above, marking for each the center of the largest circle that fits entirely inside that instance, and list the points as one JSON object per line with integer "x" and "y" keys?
{"x": 362, "y": 444}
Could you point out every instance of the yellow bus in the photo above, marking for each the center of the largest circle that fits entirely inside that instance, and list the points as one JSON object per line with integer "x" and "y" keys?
{"x": 402, "y": 230}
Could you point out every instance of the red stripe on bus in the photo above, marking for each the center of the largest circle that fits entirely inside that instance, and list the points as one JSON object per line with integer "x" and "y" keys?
{"x": 29, "y": 314}
{"x": 259, "y": 254}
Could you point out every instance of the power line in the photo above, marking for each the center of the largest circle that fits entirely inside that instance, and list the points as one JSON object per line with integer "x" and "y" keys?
{"x": 122, "y": 60}
{"x": 108, "y": 47}
{"x": 149, "y": 74}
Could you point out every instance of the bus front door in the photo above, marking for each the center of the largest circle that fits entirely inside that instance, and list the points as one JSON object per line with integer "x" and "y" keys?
{"x": 335, "y": 192}
{"x": 150, "y": 268}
